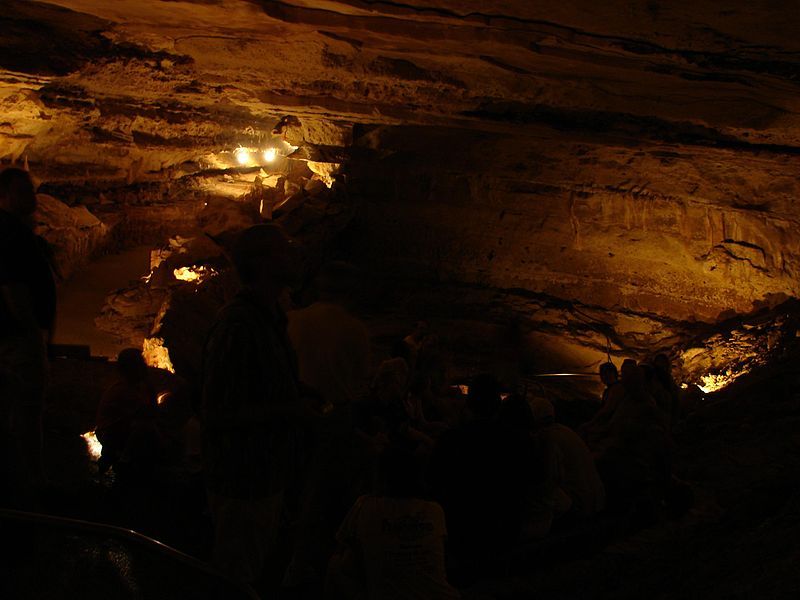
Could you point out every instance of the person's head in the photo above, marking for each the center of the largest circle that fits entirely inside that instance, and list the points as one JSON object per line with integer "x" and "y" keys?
{"x": 420, "y": 331}
{"x": 400, "y": 349}
{"x": 662, "y": 363}
{"x": 391, "y": 381}
{"x": 632, "y": 376}
{"x": 131, "y": 365}
{"x": 647, "y": 371}
{"x": 265, "y": 258}
{"x": 483, "y": 399}
{"x": 515, "y": 413}
{"x": 629, "y": 368}
{"x": 663, "y": 368}
{"x": 400, "y": 474}
{"x": 543, "y": 412}
{"x": 608, "y": 373}
{"x": 17, "y": 195}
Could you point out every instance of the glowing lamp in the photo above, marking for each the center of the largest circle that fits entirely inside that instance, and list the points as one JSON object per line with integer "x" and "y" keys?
{"x": 242, "y": 156}
{"x": 270, "y": 154}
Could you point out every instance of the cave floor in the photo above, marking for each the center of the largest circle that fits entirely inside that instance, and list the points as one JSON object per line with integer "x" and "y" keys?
{"x": 81, "y": 298}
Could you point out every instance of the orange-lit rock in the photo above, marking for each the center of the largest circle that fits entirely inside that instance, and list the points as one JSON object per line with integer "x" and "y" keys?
{"x": 525, "y": 159}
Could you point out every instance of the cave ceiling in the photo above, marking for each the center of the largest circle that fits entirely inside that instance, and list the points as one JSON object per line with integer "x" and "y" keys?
{"x": 636, "y": 155}
{"x": 157, "y": 80}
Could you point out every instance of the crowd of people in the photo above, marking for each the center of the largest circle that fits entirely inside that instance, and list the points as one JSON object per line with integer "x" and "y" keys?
{"x": 319, "y": 475}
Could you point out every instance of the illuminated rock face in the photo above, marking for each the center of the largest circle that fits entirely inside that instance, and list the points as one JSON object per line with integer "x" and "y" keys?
{"x": 521, "y": 160}
{"x": 73, "y": 233}
{"x": 668, "y": 230}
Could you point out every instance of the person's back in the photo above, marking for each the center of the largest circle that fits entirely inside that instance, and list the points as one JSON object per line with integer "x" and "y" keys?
{"x": 248, "y": 372}
{"x": 633, "y": 460}
{"x": 595, "y": 432}
{"x": 128, "y": 399}
{"x": 663, "y": 372}
{"x": 481, "y": 474}
{"x": 251, "y": 407}
{"x": 332, "y": 350}
{"x": 576, "y": 473}
{"x": 27, "y": 314}
{"x": 401, "y": 543}
{"x": 392, "y": 544}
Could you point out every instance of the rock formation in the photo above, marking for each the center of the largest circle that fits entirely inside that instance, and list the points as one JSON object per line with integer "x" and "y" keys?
{"x": 598, "y": 176}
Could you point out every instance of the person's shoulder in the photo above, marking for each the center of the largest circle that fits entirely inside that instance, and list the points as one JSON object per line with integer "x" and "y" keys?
{"x": 432, "y": 507}
{"x": 238, "y": 316}
{"x": 14, "y": 235}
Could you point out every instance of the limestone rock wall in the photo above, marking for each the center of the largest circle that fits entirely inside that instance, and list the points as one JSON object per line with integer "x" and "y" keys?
{"x": 680, "y": 232}
{"x": 73, "y": 233}
{"x": 518, "y": 161}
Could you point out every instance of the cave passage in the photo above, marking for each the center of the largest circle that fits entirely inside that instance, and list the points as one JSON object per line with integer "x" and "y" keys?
{"x": 340, "y": 279}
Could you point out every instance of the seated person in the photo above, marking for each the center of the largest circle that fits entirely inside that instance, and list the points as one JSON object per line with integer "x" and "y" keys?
{"x": 568, "y": 462}
{"x": 383, "y": 409}
{"x": 127, "y": 407}
{"x": 391, "y": 544}
{"x": 388, "y": 414}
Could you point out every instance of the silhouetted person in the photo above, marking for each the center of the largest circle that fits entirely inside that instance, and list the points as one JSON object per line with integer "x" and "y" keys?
{"x": 333, "y": 351}
{"x": 332, "y": 345}
{"x": 392, "y": 544}
{"x": 415, "y": 341}
{"x": 597, "y": 428}
{"x": 568, "y": 463}
{"x": 663, "y": 375}
{"x": 391, "y": 414}
{"x": 382, "y": 412}
{"x": 430, "y": 385}
{"x": 126, "y": 414}
{"x": 632, "y": 456}
{"x": 481, "y": 474}
{"x": 251, "y": 407}
{"x": 180, "y": 431}
{"x": 610, "y": 378}
{"x": 27, "y": 315}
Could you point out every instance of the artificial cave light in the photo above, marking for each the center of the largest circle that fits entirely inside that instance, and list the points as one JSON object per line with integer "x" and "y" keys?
{"x": 242, "y": 156}
{"x": 270, "y": 154}
{"x": 93, "y": 445}
{"x": 193, "y": 273}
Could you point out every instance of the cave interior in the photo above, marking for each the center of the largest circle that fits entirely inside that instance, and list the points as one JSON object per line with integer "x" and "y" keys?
{"x": 548, "y": 185}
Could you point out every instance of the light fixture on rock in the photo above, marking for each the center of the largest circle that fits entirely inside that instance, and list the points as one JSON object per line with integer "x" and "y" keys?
{"x": 270, "y": 154}
{"x": 242, "y": 156}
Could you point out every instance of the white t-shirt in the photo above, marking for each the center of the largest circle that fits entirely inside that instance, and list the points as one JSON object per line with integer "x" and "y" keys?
{"x": 401, "y": 543}
{"x": 573, "y": 469}
{"x": 333, "y": 350}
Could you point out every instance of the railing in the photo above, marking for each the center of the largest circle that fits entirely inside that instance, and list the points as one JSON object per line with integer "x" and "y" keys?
{"x": 59, "y": 557}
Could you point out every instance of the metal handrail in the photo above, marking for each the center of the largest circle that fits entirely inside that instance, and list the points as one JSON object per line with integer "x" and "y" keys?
{"x": 128, "y": 534}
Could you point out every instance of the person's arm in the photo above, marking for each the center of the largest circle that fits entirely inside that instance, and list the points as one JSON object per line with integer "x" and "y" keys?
{"x": 343, "y": 581}
{"x": 346, "y": 578}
